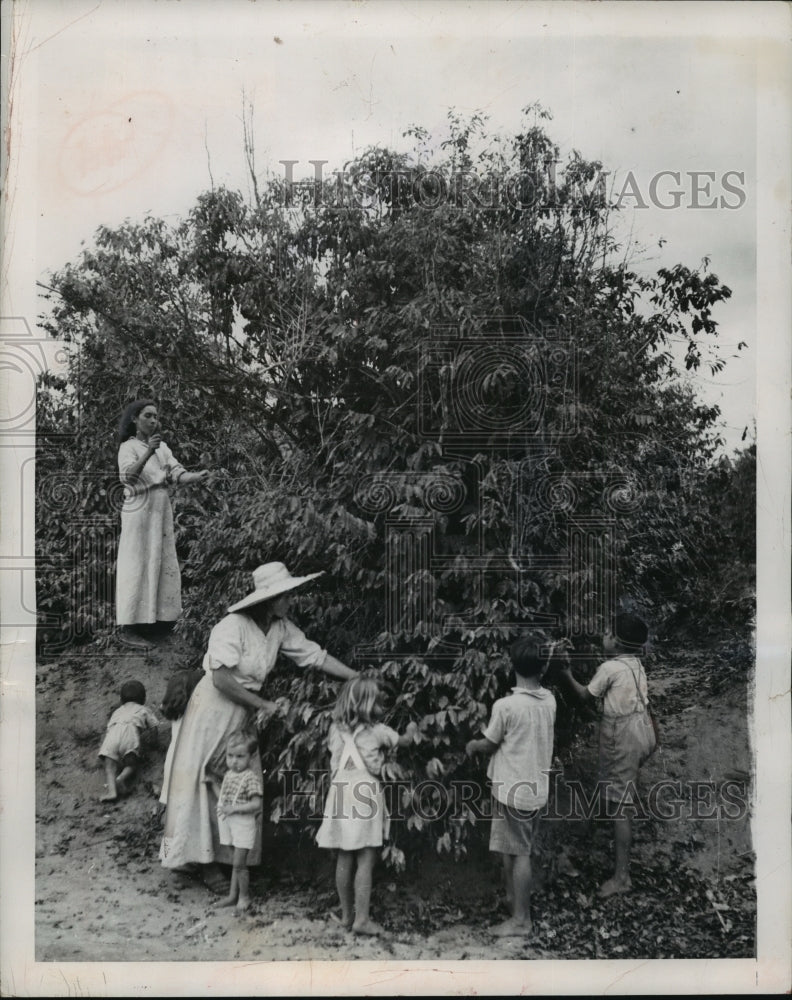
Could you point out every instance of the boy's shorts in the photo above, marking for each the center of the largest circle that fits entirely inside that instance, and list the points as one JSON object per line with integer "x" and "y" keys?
{"x": 119, "y": 742}
{"x": 625, "y": 743}
{"x": 237, "y": 830}
{"x": 512, "y": 830}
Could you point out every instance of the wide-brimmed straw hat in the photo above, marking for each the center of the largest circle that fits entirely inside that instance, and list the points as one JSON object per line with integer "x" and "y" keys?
{"x": 269, "y": 581}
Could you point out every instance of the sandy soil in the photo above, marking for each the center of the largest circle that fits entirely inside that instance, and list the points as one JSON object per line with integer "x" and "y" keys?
{"x": 101, "y": 894}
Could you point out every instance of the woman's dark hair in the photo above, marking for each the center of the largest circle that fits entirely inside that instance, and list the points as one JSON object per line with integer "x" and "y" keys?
{"x": 180, "y": 686}
{"x": 126, "y": 429}
{"x": 133, "y": 691}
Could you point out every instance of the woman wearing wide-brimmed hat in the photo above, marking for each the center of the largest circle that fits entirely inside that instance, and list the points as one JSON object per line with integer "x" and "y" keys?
{"x": 241, "y": 652}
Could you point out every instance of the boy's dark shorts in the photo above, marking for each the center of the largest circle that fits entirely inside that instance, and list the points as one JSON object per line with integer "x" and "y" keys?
{"x": 513, "y": 830}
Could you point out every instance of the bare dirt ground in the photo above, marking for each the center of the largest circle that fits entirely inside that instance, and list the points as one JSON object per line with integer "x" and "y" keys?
{"x": 101, "y": 895}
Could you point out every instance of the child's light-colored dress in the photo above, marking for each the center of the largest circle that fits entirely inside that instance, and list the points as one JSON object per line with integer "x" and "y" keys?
{"x": 355, "y": 814}
{"x": 124, "y": 729}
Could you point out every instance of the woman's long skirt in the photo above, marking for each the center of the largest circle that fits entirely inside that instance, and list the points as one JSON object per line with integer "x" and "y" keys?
{"x": 148, "y": 581}
{"x": 190, "y": 833}
{"x": 166, "y": 770}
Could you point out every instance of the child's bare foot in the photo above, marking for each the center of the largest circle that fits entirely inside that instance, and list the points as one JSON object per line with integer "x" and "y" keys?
{"x": 125, "y": 780}
{"x": 243, "y": 905}
{"x": 339, "y": 918}
{"x": 111, "y": 795}
{"x": 613, "y": 886}
{"x": 512, "y": 928}
{"x": 226, "y": 901}
{"x": 369, "y": 928}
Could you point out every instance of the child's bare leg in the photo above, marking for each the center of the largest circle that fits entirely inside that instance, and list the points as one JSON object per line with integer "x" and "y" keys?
{"x": 508, "y": 881}
{"x": 233, "y": 891}
{"x": 111, "y": 770}
{"x": 523, "y": 882}
{"x": 243, "y": 878}
{"x": 366, "y": 857}
{"x": 620, "y": 882}
{"x": 124, "y": 779}
{"x": 243, "y": 881}
{"x": 519, "y": 924}
{"x": 345, "y": 866}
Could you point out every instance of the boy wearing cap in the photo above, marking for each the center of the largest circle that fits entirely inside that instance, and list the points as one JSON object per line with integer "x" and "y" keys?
{"x": 627, "y": 736}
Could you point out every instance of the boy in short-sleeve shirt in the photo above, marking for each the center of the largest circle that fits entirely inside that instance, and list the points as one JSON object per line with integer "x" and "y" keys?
{"x": 520, "y": 739}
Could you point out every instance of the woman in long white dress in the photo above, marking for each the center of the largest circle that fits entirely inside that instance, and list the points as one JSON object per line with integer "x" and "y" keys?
{"x": 241, "y": 652}
{"x": 148, "y": 581}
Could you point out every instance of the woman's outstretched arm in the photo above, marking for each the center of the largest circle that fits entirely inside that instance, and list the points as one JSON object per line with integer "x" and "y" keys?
{"x": 336, "y": 668}
{"x": 193, "y": 477}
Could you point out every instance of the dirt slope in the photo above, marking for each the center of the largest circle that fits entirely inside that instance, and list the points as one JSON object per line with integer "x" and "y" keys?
{"x": 101, "y": 894}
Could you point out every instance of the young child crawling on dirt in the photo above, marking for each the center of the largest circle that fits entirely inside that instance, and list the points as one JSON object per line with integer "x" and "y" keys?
{"x": 121, "y": 745}
{"x": 627, "y": 736}
{"x": 520, "y": 739}
{"x": 239, "y": 803}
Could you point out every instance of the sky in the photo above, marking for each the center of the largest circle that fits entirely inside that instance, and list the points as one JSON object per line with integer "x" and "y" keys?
{"x": 138, "y": 108}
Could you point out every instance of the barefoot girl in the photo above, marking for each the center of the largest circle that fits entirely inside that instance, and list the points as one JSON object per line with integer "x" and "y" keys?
{"x": 239, "y": 801}
{"x": 355, "y": 818}
{"x": 121, "y": 744}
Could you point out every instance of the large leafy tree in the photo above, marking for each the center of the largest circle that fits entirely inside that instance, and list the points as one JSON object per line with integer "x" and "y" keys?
{"x": 325, "y": 349}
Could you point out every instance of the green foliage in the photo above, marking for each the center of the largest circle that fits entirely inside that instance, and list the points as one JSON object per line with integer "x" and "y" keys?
{"x": 285, "y": 344}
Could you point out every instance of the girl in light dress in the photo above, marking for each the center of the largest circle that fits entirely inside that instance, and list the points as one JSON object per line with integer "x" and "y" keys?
{"x": 356, "y": 821}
